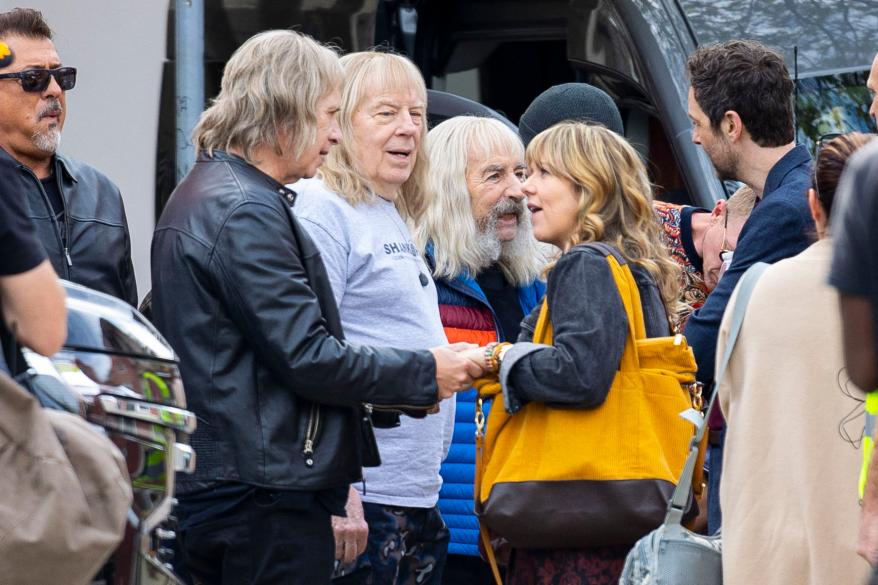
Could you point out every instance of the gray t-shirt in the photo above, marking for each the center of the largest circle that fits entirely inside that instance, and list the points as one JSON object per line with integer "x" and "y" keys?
{"x": 386, "y": 298}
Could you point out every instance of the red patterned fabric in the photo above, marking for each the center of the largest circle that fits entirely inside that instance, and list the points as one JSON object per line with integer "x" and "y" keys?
{"x": 461, "y": 317}
{"x": 694, "y": 291}
{"x": 592, "y": 566}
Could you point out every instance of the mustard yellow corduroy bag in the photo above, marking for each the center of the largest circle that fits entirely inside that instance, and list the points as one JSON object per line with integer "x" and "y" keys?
{"x": 549, "y": 477}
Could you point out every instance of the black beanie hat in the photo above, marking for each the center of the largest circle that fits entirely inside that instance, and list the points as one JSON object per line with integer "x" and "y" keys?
{"x": 569, "y": 101}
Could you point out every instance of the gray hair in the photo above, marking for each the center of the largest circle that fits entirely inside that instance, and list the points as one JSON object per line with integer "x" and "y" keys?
{"x": 448, "y": 221}
{"x": 365, "y": 73}
{"x": 741, "y": 203}
{"x": 269, "y": 94}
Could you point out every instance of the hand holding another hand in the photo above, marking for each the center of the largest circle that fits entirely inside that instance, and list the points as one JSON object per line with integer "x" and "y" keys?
{"x": 455, "y": 371}
{"x": 476, "y": 355}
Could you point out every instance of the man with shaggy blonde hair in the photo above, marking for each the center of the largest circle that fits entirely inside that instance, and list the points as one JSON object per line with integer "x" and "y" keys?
{"x": 477, "y": 238}
{"x": 243, "y": 297}
{"x": 359, "y": 212}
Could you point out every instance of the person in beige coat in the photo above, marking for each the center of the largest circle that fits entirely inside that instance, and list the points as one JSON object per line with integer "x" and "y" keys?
{"x": 789, "y": 483}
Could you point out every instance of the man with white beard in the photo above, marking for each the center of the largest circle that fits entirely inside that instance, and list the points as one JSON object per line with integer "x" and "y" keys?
{"x": 76, "y": 210}
{"x": 477, "y": 239}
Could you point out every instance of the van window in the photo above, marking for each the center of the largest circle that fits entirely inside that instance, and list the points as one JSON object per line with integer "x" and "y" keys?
{"x": 832, "y": 104}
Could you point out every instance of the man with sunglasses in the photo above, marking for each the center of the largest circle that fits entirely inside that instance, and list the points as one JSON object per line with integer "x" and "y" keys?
{"x": 77, "y": 211}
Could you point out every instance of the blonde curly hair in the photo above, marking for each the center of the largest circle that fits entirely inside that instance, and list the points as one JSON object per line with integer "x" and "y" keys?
{"x": 615, "y": 204}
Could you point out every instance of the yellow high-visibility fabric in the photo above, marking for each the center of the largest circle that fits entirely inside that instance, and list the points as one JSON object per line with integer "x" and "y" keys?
{"x": 871, "y": 408}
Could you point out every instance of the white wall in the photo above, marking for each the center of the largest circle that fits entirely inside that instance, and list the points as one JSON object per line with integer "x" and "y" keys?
{"x": 118, "y": 47}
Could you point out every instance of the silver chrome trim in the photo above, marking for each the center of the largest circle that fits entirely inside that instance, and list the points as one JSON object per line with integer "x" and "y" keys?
{"x": 167, "y": 416}
{"x": 184, "y": 458}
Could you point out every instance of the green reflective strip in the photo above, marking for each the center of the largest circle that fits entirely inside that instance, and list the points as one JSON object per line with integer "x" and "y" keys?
{"x": 166, "y": 392}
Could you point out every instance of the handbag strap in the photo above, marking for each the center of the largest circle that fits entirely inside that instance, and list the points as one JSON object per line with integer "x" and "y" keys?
{"x": 477, "y": 504}
{"x": 680, "y": 497}
{"x": 489, "y": 552}
{"x": 631, "y": 301}
{"x": 629, "y": 294}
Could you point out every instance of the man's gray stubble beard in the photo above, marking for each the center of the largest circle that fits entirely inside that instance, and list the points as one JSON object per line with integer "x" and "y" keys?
{"x": 48, "y": 141}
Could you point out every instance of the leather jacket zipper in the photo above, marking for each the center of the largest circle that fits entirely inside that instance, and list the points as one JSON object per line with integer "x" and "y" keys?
{"x": 399, "y": 407}
{"x": 367, "y": 420}
{"x": 311, "y": 435}
{"x": 66, "y": 237}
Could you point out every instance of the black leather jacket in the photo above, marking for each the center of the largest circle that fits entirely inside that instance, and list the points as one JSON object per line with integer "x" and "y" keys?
{"x": 242, "y": 295}
{"x": 96, "y": 251}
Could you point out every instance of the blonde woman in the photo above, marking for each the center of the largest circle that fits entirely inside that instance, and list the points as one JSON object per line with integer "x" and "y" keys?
{"x": 358, "y": 211}
{"x": 586, "y": 184}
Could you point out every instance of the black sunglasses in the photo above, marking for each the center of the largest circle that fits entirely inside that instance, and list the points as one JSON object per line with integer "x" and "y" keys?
{"x": 38, "y": 79}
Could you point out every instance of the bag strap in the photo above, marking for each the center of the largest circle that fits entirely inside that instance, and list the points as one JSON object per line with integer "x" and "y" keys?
{"x": 489, "y": 552}
{"x": 622, "y": 276}
{"x": 477, "y": 486}
{"x": 680, "y": 497}
{"x": 607, "y": 250}
{"x": 543, "y": 330}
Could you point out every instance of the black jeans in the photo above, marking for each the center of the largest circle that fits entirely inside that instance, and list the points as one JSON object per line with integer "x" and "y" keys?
{"x": 466, "y": 570}
{"x": 714, "y": 512}
{"x": 268, "y": 539}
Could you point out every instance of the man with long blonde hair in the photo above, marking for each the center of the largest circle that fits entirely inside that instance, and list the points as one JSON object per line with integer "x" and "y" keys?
{"x": 477, "y": 237}
{"x": 359, "y": 212}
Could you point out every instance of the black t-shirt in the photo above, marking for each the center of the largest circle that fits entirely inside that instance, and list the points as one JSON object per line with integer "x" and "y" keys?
{"x": 20, "y": 249}
{"x": 854, "y": 268}
{"x": 50, "y": 186}
{"x": 503, "y": 298}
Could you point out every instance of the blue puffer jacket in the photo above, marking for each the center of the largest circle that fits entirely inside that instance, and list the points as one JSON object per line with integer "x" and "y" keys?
{"x": 467, "y": 316}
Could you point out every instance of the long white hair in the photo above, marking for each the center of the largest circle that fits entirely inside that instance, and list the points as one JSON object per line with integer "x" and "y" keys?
{"x": 448, "y": 220}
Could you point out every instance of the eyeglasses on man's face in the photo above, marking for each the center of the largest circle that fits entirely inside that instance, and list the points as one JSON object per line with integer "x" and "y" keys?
{"x": 36, "y": 80}
{"x": 725, "y": 252}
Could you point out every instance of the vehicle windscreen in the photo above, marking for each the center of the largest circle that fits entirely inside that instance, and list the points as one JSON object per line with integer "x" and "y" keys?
{"x": 831, "y": 35}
